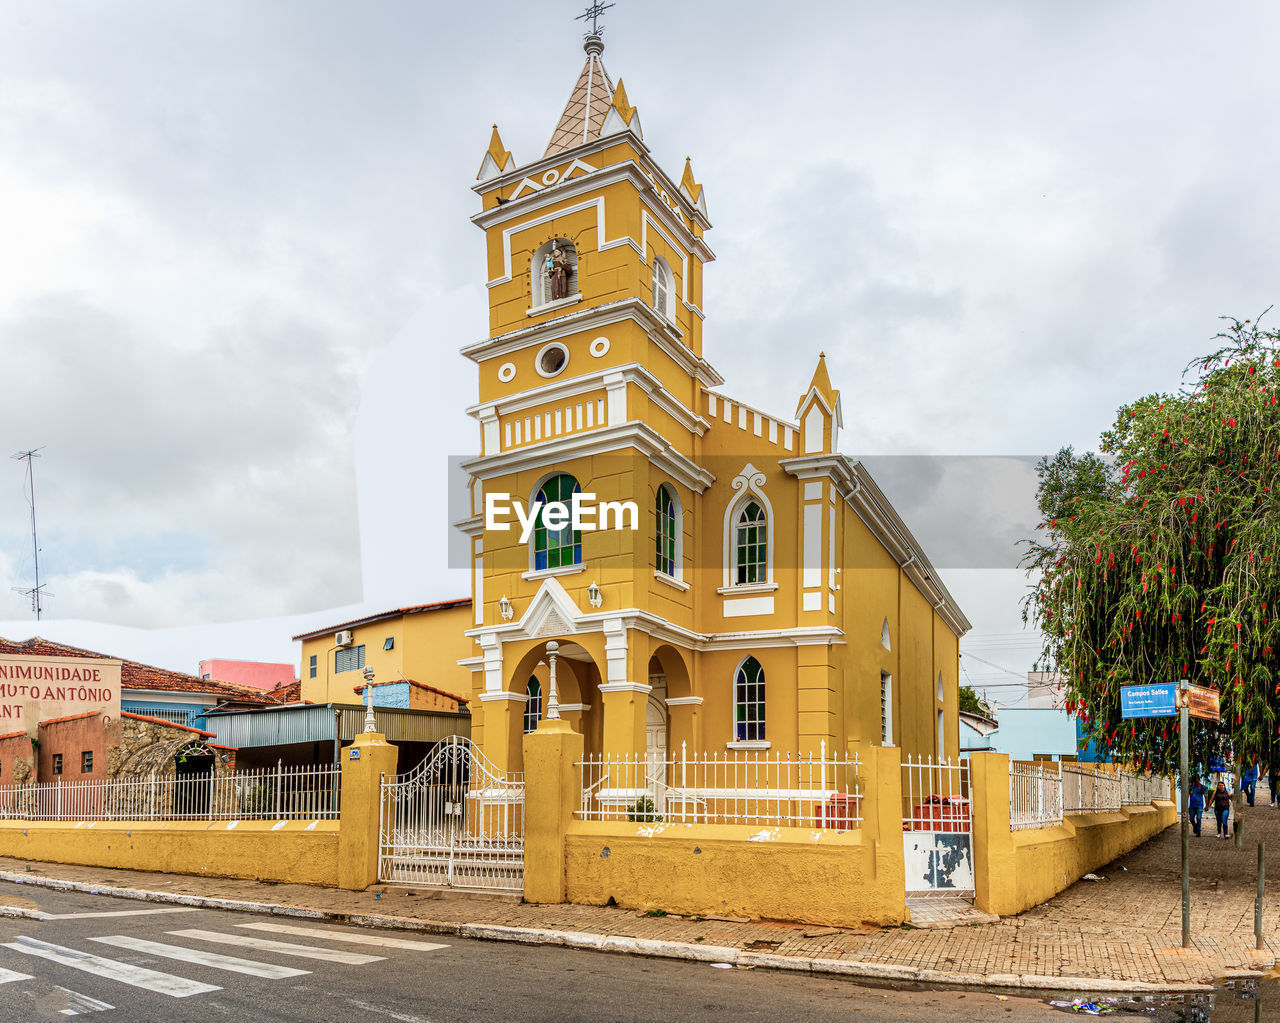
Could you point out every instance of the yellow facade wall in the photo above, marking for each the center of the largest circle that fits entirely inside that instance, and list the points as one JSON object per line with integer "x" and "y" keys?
{"x": 251, "y": 849}
{"x": 426, "y": 647}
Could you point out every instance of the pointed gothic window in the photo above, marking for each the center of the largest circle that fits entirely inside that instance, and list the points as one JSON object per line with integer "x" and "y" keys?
{"x": 556, "y": 548}
{"x": 533, "y": 706}
{"x": 748, "y": 701}
{"x": 663, "y": 289}
{"x": 668, "y": 533}
{"x": 750, "y": 545}
{"x": 553, "y": 272}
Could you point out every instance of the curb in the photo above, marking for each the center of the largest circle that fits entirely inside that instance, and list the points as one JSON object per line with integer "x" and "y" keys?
{"x": 870, "y": 973}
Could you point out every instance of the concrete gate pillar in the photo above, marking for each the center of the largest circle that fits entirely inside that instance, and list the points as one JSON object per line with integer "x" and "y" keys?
{"x": 364, "y": 763}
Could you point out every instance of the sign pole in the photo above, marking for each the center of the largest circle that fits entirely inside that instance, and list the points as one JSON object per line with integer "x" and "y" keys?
{"x": 1184, "y": 727}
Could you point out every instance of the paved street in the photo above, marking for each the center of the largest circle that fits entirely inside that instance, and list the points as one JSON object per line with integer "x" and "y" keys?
{"x": 126, "y": 961}
{"x": 1124, "y": 928}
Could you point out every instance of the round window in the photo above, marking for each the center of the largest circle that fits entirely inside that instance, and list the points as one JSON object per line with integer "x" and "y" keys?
{"x": 552, "y": 359}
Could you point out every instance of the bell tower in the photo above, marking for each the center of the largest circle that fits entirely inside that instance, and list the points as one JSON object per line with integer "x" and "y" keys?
{"x": 588, "y": 383}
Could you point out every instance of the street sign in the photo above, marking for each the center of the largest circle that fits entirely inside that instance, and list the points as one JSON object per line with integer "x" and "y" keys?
{"x": 1203, "y": 703}
{"x": 1153, "y": 701}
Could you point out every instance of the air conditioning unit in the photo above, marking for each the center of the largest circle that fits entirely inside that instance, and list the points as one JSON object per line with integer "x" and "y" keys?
{"x": 342, "y": 639}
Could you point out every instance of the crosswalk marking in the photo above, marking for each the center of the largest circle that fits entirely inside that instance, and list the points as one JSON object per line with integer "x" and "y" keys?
{"x": 353, "y": 938}
{"x": 125, "y": 973}
{"x": 78, "y": 1004}
{"x": 9, "y": 976}
{"x": 202, "y": 958}
{"x": 117, "y": 912}
{"x": 328, "y": 955}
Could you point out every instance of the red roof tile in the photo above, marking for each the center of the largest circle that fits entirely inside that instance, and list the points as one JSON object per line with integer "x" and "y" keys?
{"x": 70, "y": 717}
{"x": 162, "y": 721}
{"x": 11, "y": 735}
{"x": 441, "y": 605}
{"x": 135, "y": 675}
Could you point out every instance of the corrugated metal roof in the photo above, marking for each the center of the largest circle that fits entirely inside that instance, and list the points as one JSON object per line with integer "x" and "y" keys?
{"x": 324, "y": 722}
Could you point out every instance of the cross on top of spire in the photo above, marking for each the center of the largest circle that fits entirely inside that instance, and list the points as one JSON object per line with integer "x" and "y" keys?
{"x": 593, "y": 12}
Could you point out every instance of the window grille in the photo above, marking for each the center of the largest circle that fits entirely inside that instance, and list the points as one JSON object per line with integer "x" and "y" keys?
{"x": 662, "y": 288}
{"x": 751, "y": 544}
{"x": 748, "y": 698}
{"x": 349, "y": 659}
{"x": 86, "y": 762}
{"x": 556, "y": 548}
{"x": 666, "y": 533}
{"x": 886, "y": 709}
{"x": 533, "y": 707}
{"x": 57, "y": 763}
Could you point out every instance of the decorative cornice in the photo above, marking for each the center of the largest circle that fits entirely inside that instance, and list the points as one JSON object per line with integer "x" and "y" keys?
{"x": 640, "y": 436}
{"x": 662, "y": 331}
{"x": 631, "y": 373}
{"x": 660, "y": 179}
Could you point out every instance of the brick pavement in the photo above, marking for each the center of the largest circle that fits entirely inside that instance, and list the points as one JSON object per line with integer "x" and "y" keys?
{"x": 1126, "y": 928}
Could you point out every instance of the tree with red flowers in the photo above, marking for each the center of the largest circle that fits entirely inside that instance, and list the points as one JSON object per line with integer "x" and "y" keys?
{"x": 1161, "y": 561}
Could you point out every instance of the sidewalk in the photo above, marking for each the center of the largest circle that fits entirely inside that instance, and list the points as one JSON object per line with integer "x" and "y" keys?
{"x": 1121, "y": 934}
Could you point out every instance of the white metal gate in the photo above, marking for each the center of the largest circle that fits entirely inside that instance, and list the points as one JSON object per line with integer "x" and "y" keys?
{"x": 937, "y": 827}
{"x": 454, "y": 821}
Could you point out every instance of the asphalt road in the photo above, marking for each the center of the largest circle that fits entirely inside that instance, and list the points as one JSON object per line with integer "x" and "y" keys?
{"x": 117, "y": 960}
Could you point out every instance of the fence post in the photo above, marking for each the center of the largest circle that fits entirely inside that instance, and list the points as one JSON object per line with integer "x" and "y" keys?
{"x": 552, "y": 794}
{"x": 366, "y": 761}
{"x": 994, "y": 867}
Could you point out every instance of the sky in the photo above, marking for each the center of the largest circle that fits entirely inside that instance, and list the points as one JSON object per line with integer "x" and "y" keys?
{"x": 236, "y": 268}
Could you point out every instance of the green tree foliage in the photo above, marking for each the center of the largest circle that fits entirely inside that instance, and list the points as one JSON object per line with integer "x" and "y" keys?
{"x": 1163, "y": 564}
{"x": 972, "y": 703}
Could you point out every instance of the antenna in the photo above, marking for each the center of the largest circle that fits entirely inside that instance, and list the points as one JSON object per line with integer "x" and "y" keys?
{"x": 36, "y": 593}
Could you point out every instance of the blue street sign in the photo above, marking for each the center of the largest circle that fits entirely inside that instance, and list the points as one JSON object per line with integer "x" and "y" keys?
{"x": 1156, "y": 701}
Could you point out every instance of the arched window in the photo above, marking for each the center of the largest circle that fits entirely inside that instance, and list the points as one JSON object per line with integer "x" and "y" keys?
{"x": 748, "y": 701}
{"x": 533, "y": 706}
{"x": 553, "y": 272}
{"x": 668, "y": 533}
{"x": 750, "y": 545}
{"x": 556, "y": 548}
{"x": 663, "y": 289}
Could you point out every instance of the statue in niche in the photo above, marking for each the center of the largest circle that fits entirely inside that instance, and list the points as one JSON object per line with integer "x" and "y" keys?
{"x": 557, "y": 269}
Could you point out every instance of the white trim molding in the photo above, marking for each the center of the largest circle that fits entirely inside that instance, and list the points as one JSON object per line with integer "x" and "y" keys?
{"x": 748, "y": 484}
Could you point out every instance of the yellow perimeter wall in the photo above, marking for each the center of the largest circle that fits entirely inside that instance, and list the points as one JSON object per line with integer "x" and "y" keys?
{"x": 1015, "y": 870}
{"x": 252, "y": 849}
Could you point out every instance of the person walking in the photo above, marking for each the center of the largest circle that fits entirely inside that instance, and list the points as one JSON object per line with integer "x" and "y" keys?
{"x": 1273, "y": 776}
{"x": 1222, "y": 808}
{"x": 1195, "y": 804}
{"x": 1249, "y": 781}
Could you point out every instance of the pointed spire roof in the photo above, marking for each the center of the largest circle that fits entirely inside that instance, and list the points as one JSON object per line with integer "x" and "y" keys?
{"x": 497, "y": 159}
{"x": 589, "y": 103}
{"x": 821, "y": 383}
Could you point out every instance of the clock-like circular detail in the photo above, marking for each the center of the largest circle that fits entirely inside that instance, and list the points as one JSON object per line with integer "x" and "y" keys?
{"x": 599, "y": 347}
{"x": 552, "y": 359}
{"x": 507, "y": 372}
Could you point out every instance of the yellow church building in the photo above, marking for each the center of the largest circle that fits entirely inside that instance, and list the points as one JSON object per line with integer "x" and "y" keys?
{"x": 752, "y": 588}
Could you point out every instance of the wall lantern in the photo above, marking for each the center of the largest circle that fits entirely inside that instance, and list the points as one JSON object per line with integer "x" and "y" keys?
{"x": 593, "y": 595}
{"x": 505, "y": 609}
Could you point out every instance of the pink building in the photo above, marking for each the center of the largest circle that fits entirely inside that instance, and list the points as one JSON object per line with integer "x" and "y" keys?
{"x": 259, "y": 674}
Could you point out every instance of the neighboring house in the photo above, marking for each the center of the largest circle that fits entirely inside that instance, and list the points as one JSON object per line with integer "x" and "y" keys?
{"x": 410, "y": 695}
{"x": 975, "y": 732}
{"x": 424, "y": 642}
{"x": 1035, "y": 733}
{"x": 759, "y": 591}
{"x": 1046, "y": 690}
{"x": 148, "y": 723}
{"x": 258, "y": 674}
